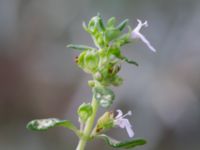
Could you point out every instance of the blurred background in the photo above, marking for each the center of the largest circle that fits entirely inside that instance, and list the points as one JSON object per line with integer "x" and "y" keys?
{"x": 39, "y": 79}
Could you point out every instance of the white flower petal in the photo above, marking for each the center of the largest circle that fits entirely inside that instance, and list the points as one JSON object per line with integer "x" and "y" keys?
{"x": 129, "y": 128}
{"x": 122, "y": 122}
{"x": 119, "y": 113}
{"x": 143, "y": 38}
{"x": 137, "y": 35}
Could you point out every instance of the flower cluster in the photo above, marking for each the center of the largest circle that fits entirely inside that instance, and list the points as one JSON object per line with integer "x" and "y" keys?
{"x": 103, "y": 62}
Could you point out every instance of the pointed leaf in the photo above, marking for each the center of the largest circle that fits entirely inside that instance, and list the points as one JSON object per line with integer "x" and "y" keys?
{"x": 111, "y": 22}
{"x": 122, "y": 25}
{"x": 86, "y": 28}
{"x": 79, "y": 47}
{"x": 124, "y": 144}
{"x": 129, "y": 61}
{"x": 45, "y": 124}
{"x": 101, "y": 22}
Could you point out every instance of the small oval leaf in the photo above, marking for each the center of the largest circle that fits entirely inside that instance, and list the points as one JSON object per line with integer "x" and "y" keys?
{"x": 45, "y": 124}
{"x": 124, "y": 144}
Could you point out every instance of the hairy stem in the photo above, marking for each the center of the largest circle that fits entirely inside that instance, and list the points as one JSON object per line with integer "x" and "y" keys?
{"x": 88, "y": 126}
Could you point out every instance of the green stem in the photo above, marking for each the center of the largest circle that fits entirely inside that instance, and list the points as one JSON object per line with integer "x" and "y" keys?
{"x": 88, "y": 126}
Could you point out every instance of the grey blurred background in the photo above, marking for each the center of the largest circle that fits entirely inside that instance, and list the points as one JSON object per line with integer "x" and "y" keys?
{"x": 39, "y": 79}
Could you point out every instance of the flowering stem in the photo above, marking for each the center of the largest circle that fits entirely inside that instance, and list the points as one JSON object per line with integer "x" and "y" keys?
{"x": 88, "y": 126}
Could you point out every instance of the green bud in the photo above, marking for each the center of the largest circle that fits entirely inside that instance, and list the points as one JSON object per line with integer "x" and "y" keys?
{"x": 84, "y": 111}
{"x": 105, "y": 96}
{"x": 124, "y": 39}
{"x": 80, "y": 59}
{"x": 91, "y": 83}
{"x": 85, "y": 27}
{"x": 105, "y": 122}
{"x": 114, "y": 69}
{"x": 88, "y": 61}
{"x": 114, "y": 51}
{"x": 98, "y": 76}
{"x": 100, "y": 41}
{"x": 117, "y": 81}
{"x": 96, "y": 24}
{"x": 111, "y": 22}
{"x": 91, "y": 61}
{"x": 92, "y": 24}
{"x": 111, "y": 34}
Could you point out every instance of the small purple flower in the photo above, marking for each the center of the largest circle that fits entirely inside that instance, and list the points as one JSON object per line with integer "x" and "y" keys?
{"x": 122, "y": 122}
{"x": 135, "y": 34}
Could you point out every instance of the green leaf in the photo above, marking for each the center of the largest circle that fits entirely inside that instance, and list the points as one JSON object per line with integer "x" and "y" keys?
{"x": 122, "y": 25}
{"x": 101, "y": 22}
{"x": 79, "y": 47}
{"x": 45, "y": 124}
{"x": 124, "y": 144}
{"x": 129, "y": 61}
{"x": 86, "y": 28}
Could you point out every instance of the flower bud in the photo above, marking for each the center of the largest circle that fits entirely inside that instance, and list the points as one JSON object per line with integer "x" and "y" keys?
{"x": 92, "y": 25}
{"x": 111, "y": 34}
{"x": 100, "y": 41}
{"x": 84, "y": 111}
{"x": 91, "y": 83}
{"x": 114, "y": 51}
{"x": 98, "y": 76}
{"x": 91, "y": 61}
{"x": 117, "y": 81}
{"x": 114, "y": 69}
{"x": 105, "y": 122}
{"x": 111, "y": 22}
{"x": 80, "y": 59}
{"x": 96, "y": 24}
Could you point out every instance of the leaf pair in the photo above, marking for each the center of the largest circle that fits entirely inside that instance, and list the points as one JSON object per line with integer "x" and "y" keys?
{"x": 45, "y": 124}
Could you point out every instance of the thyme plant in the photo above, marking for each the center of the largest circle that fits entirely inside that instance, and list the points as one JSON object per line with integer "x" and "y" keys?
{"x": 103, "y": 63}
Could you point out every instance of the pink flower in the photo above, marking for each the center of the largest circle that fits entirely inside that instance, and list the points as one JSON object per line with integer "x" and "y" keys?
{"x": 122, "y": 122}
{"x": 135, "y": 34}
